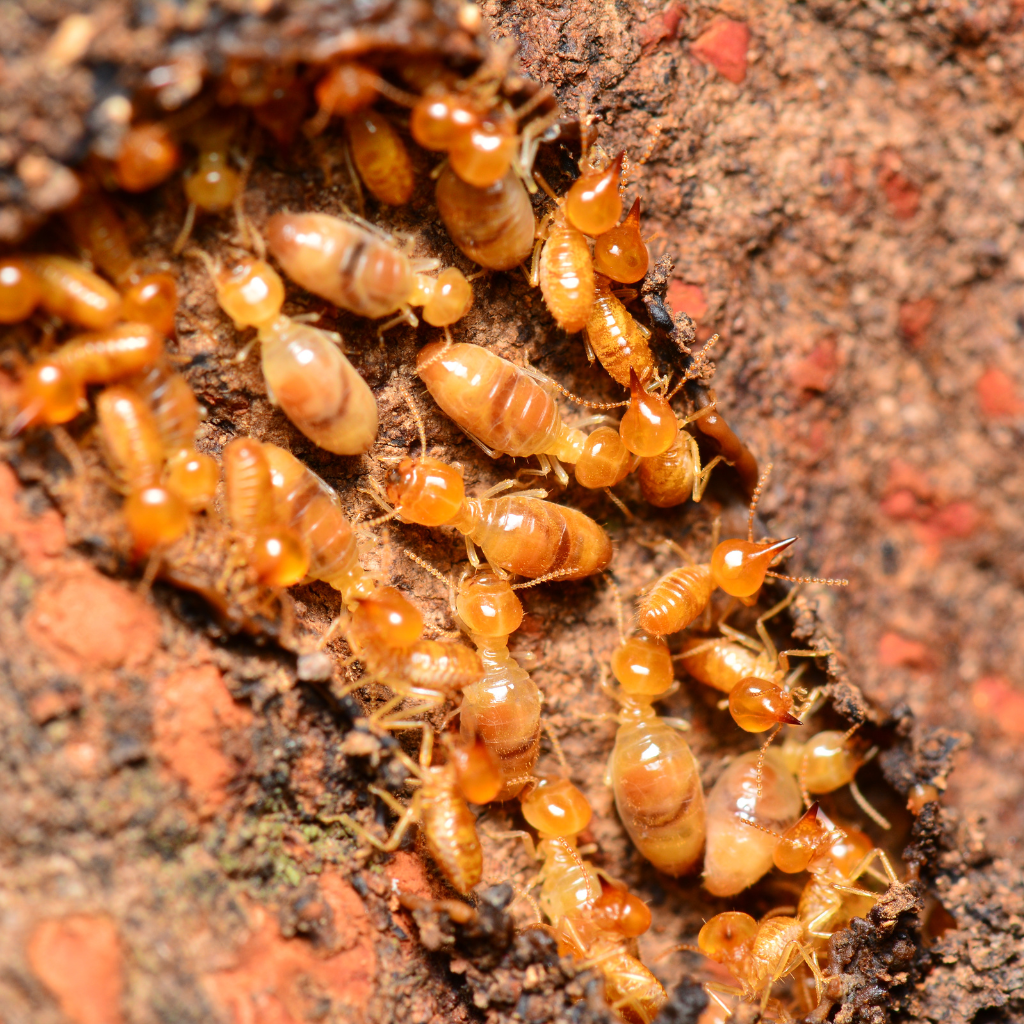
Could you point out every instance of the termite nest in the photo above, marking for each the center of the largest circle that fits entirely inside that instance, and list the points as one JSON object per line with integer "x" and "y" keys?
{"x": 100, "y": 375}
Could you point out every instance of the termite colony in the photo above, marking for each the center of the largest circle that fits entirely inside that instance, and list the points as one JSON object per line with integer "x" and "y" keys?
{"x": 107, "y": 334}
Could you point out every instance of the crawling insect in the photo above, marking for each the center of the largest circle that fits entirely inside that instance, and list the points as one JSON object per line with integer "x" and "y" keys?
{"x": 738, "y": 567}
{"x": 508, "y": 410}
{"x": 52, "y": 390}
{"x": 829, "y": 760}
{"x": 306, "y": 374}
{"x": 214, "y": 185}
{"x": 503, "y": 708}
{"x": 493, "y": 226}
{"x": 278, "y": 555}
{"x": 652, "y": 770}
{"x": 756, "y": 787}
{"x": 592, "y": 922}
{"x": 361, "y": 271}
{"x": 520, "y": 534}
{"x": 148, "y": 155}
{"x": 154, "y": 514}
{"x": 190, "y": 474}
{"x": 384, "y": 628}
{"x": 618, "y": 342}
{"x": 71, "y": 291}
{"x": 97, "y": 228}
{"x": 439, "y": 807}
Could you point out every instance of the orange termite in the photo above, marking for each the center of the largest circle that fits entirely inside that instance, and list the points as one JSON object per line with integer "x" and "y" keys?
{"x": 154, "y": 514}
{"x": 74, "y": 293}
{"x": 385, "y": 629}
{"x": 493, "y": 226}
{"x": 520, "y": 534}
{"x": 652, "y": 771}
{"x": 738, "y": 567}
{"x": 439, "y": 807}
{"x": 591, "y": 921}
{"x": 277, "y": 554}
{"x": 503, "y": 709}
{"x": 148, "y": 155}
{"x": 362, "y": 272}
{"x": 52, "y": 390}
{"x": 306, "y": 374}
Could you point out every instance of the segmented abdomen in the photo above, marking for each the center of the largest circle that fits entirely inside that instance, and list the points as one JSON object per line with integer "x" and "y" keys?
{"x": 616, "y": 337}
{"x": 567, "y": 277}
{"x": 449, "y": 829}
{"x": 490, "y": 398}
{"x": 675, "y": 600}
{"x": 530, "y": 537}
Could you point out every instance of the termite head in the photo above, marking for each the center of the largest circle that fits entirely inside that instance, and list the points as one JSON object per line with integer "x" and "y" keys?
{"x": 643, "y": 666}
{"x": 488, "y": 605}
{"x": 49, "y": 393}
{"x": 757, "y": 705}
{"x": 477, "y": 773}
{"x": 555, "y": 808}
{"x": 386, "y": 618}
{"x": 620, "y": 912}
{"x": 251, "y": 292}
{"x": 805, "y": 841}
{"x": 426, "y": 491}
{"x": 728, "y": 938}
{"x": 739, "y": 566}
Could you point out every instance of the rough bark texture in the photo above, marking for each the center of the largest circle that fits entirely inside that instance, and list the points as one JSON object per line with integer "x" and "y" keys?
{"x": 839, "y": 187}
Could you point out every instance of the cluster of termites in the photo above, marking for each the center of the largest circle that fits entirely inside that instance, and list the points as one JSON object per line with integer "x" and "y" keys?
{"x": 287, "y": 525}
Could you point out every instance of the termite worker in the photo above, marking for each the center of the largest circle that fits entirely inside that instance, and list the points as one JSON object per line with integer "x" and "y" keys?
{"x": 306, "y": 374}
{"x": 738, "y": 567}
{"x": 520, "y": 534}
{"x": 439, "y": 807}
{"x": 361, "y": 271}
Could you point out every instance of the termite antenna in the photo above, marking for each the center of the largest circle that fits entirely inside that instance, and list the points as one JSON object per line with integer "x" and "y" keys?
{"x": 755, "y": 498}
{"x": 557, "y": 574}
{"x": 809, "y": 579}
{"x": 696, "y": 369}
{"x": 584, "y": 402}
{"x": 424, "y": 564}
{"x": 440, "y": 354}
{"x": 760, "y": 760}
{"x": 201, "y": 254}
{"x": 404, "y": 392}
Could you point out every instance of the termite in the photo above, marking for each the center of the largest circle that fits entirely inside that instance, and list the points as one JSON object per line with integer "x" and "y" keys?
{"x": 439, "y": 807}
{"x": 520, "y": 534}
{"x": 148, "y": 155}
{"x": 829, "y": 760}
{"x": 71, "y": 291}
{"x": 493, "y": 226}
{"x": 98, "y": 230}
{"x": 52, "y": 390}
{"x": 615, "y": 339}
{"x": 190, "y": 474}
{"x": 384, "y": 628}
{"x": 503, "y": 708}
{"x": 362, "y": 271}
{"x": 652, "y": 771}
{"x": 278, "y": 555}
{"x": 306, "y": 374}
{"x": 154, "y": 514}
{"x": 592, "y": 922}
{"x": 738, "y": 567}
{"x": 757, "y": 786}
